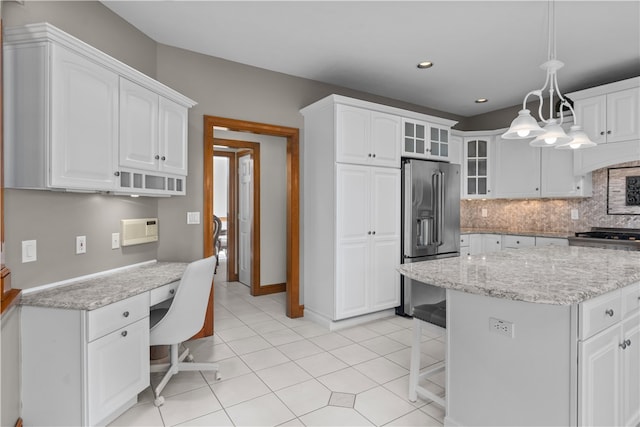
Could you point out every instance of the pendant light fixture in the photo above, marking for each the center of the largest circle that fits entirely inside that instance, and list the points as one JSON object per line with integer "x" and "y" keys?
{"x": 551, "y": 135}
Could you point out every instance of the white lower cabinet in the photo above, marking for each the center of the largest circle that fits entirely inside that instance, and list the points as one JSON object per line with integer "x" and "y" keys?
{"x": 367, "y": 240}
{"x": 609, "y": 363}
{"x": 491, "y": 242}
{"x": 83, "y": 368}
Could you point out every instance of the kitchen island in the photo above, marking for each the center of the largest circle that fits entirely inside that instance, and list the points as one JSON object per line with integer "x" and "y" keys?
{"x": 540, "y": 336}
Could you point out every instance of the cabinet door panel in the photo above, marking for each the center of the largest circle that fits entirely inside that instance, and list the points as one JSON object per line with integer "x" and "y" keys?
{"x": 385, "y": 208}
{"x": 117, "y": 369}
{"x": 631, "y": 372}
{"x": 557, "y": 178}
{"x": 173, "y": 137}
{"x": 138, "y": 126}
{"x": 623, "y": 113}
{"x": 385, "y": 280}
{"x": 352, "y": 138}
{"x": 352, "y": 240}
{"x": 599, "y": 379}
{"x": 592, "y": 113}
{"x": 517, "y": 169}
{"x": 385, "y": 139}
{"x": 84, "y": 125}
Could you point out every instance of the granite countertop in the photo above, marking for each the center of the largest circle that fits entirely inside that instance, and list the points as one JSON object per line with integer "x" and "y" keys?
{"x": 559, "y": 234}
{"x": 104, "y": 290}
{"x": 558, "y": 275}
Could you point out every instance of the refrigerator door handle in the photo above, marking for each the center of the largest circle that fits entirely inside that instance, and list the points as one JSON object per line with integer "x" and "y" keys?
{"x": 439, "y": 207}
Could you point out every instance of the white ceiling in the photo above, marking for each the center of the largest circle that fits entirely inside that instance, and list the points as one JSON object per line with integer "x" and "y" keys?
{"x": 489, "y": 49}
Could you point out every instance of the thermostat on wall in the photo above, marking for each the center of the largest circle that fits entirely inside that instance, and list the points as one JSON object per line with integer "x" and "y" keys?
{"x": 137, "y": 231}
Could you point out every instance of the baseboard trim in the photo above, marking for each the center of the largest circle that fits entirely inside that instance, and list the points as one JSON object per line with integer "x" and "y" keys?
{"x": 270, "y": 289}
{"x": 336, "y": 325}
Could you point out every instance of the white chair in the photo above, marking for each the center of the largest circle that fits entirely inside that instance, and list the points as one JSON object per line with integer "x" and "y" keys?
{"x": 183, "y": 319}
{"x": 434, "y": 316}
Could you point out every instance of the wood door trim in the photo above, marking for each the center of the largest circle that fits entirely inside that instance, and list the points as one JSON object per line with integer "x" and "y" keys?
{"x": 232, "y": 274}
{"x": 292, "y": 135}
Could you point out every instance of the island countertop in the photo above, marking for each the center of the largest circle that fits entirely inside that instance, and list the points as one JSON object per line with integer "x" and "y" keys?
{"x": 100, "y": 291}
{"x": 557, "y": 275}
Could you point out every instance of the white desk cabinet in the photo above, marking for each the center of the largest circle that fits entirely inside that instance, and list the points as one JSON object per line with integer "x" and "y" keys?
{"x": 84, "y": 367}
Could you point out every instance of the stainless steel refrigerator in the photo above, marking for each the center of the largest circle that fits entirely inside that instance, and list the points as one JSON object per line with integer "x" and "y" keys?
{"x": 431, "y": 223}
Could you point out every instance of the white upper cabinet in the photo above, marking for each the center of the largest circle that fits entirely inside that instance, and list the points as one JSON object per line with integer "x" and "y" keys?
{"x": 138, "y": 126}
{"x": 83, "y": 123}
{"x": 424, "y": 140}
{"x": 612, "y": 117}
{"x": 517, "y": 169}
{"x": 610, "y": 113}
{"x": 557, "y": 177}
{"x": 77, "y": 119}
{"x": 153, "y": 131}
{"x": 367, "y": 137}
{"x": 476, "y": 164}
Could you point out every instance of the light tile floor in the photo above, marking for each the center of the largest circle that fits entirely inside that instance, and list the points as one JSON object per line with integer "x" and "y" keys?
{"x": 292, "y": 372}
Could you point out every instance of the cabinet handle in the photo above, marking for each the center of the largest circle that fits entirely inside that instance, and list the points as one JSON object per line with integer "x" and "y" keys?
{"x": 157, "y": 156}
{"x": 369, "y": 154}
{"x": 164, "y": 158}
{"x": 369, "y": 232}
{"x": 498, "y": 242}
{"x": 172, "y": 291}
{"x": 609, "y": 312}
{"x": 373, "y": 232}
{"x": 517, "y": 242}
{"x": 602, "y": 133}
{"x": 488, "y": 191}
{"x": 628, "y": 343}
{"x": 625, "y": 344}
{"x": 124, "y": 333}
{"x": 608, "y": 132}
{"x": 537, "y": 188}
{"x": 125, "y": 314}
{"x": 116, "y": 173}
{"x": 578, "y": 187}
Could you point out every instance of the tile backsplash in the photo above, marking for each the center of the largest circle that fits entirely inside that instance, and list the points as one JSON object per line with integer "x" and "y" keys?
{"x": 548, "y": 215}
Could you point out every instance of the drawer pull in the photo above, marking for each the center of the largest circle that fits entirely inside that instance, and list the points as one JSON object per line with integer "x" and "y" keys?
{"x": 609, "y": 312}
{"x": 125, "y": 314}
{"x": 172, "y": 291}
{"x": 625, "y": 344}
{"x": 124, "y": 333}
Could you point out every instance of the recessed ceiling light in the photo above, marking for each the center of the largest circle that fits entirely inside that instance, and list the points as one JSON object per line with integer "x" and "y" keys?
{"x": 481, "y": 100}
{"x": 425, "y": 64}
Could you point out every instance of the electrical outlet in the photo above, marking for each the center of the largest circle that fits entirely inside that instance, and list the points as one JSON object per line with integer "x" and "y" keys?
{"x": 501, "y": 327}
{"x": 574, "y": 214}
{"x": 193, "y": 217}
{"x": 485, "y": 213}
{"x": 115, "y": 240}
{"x": 81, "y": 244}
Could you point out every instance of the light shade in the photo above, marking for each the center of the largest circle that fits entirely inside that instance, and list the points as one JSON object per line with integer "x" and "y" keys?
{"x": 579, "y": 139}
{"x": 553, "y": 135}
{"x": 522, "y": 127}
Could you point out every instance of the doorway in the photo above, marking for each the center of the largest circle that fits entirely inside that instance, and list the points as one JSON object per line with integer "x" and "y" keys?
{"x": 292, "y": 285}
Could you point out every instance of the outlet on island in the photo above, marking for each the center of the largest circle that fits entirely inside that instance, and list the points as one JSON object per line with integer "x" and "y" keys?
{"x": 501, "y": 327}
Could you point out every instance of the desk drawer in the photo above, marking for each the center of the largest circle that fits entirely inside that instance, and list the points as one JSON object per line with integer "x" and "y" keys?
{"x": 630, "y": 299}
{"x": 117, "y": 315}
{"x": 599, "y": 313}
{"x": 163, "y": 293}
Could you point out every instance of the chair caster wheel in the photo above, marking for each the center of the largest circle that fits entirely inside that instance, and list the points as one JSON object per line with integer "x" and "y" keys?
{"x": 189, "y": 358}
{"x": 159, "y": 401}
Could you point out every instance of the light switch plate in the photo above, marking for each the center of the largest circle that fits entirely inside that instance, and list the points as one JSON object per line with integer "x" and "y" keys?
{"x": 81, "y": 245}
{"x": 29, "y": 251}
{"x": 115, "y": 240}
{"x": 193, "y": 217}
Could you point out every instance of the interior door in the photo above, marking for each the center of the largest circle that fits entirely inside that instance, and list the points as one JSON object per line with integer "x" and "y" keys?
{"x": 245, "y": 217}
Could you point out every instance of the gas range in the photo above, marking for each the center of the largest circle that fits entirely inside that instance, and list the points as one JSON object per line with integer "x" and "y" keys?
{"x": 608, "y": 238}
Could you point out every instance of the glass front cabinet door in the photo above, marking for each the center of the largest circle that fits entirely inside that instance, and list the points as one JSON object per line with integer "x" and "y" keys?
{"x": 424, "y": 141}
{"x": 477, "y": 183}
